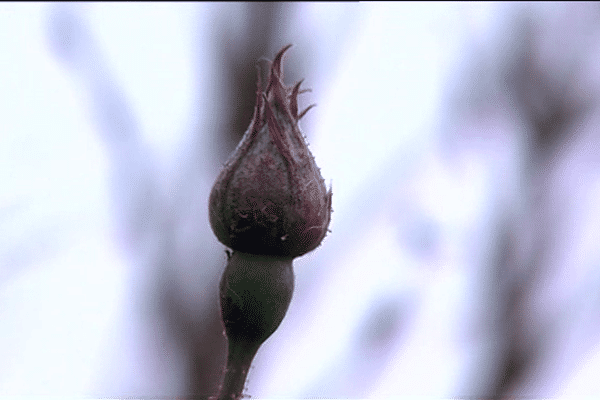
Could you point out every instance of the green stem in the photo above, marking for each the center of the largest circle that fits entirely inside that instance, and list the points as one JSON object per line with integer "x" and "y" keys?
{"x": 240, "y": 356}
{"x": 255, "y": 292}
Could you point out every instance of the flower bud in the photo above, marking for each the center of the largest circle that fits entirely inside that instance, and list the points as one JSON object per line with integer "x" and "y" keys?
{"x": 270, "y": 197}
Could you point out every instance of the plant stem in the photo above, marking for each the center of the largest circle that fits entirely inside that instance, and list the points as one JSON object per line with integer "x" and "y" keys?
{"x": 239, "y": 358}
{"x": 255, "y": 292}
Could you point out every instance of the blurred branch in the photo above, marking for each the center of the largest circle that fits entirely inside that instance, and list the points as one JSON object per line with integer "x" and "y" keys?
{"x": 541, "y": 84}
{"x": 236, "y": 51}
{"x": 150, "y": 226}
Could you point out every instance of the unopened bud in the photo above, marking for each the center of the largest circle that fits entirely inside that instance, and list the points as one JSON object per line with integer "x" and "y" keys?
{"x": 270, "y": 197}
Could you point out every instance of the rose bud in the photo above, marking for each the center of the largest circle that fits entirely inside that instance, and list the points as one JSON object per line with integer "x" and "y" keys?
{"x": 270, "y": 197}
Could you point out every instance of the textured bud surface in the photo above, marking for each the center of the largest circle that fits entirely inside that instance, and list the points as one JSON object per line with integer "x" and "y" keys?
{"x": 270, "y": 197}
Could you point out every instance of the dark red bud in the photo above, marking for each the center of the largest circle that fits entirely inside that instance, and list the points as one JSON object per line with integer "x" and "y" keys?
{"x": 270, "y": 197}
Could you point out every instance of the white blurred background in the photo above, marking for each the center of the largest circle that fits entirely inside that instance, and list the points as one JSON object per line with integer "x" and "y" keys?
{"x": 461, "y": 143}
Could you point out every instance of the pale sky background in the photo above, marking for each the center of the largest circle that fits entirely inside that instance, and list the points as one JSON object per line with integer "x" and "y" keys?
{"x": 63, "y": 271}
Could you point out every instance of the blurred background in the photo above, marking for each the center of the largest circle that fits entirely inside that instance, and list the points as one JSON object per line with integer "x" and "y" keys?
{"x": 460, "y": 139}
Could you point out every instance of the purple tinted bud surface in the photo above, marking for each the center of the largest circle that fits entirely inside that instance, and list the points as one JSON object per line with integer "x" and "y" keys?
{"x": 270, "y": 197}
